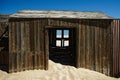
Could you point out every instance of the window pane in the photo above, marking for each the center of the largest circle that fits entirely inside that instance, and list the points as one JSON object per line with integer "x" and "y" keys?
{"x": 58, "y": 43}
{"x": 59, "y": 33}
{"x": 66, "y": 33}
{"x": 66, "y": 43}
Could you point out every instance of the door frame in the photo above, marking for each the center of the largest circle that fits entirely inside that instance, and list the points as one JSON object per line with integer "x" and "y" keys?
{"x": 46, "y": 56}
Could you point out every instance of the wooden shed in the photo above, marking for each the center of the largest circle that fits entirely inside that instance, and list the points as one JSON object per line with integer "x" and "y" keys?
{"x": 82, "y": 39}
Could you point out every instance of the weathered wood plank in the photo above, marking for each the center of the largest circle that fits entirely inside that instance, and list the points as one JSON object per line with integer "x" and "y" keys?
{"x": 13, "y": 45}
{"x": 92, "y": 48}
{"x": 78, "y": 45}
{"x": 41, "y": 31}
{"x": 119, "y": 43}
{"x": 39, "y": 40}
{"x": 47, "y": 49}
{"x": 22, "y": 46}
{"x": 27, "y": 32}
{"x": 100, "y": 45}
{"x": 93, "y": 45}
{"x": 111, "y": 48}
{"x": 18, "y": 46}
{"x": 10, "y": 47}
{"x": 96, "y": 47}
{"x": 88, "y": 44}
{"x": 105, "y": 50}
{"x": 108, "y": 47}
{"x": 32, "y": 44}
{"x": 84, "y": 44}
{"x": 35, "y": 45}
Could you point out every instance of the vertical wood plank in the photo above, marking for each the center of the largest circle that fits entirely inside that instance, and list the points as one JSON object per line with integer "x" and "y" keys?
{"x": 10, "y": 47}
{"x": 39, "y": 42}
{"x": 109, "y": 46}
{"x": 88, "y": 44}
{"x": 83, "y": 36}
{"x": 42, "y": 44}
{"x": 96, "y": 47}
{"x": 35, "y": 44}
{"x": 105, "y": 50}
{"x": 78, "y": 45}
{"x": 100, "y": 45}
{"x": 92, "y": 48}
{"x": 119, "y": 42}
{"x": 22, "y": 45}
{"x": 15, "y": 48}
{"x": 27, "y": 52}
{"x": 18, "y": 45}
{"x": 47, "y": 49}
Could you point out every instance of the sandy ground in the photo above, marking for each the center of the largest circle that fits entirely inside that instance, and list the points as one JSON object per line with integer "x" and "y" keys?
{"x": 56, "y": 72}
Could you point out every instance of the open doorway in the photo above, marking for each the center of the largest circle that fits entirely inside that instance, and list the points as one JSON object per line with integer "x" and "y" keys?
{"x": 62, "y": 45}
{"x": 4, "y": 48}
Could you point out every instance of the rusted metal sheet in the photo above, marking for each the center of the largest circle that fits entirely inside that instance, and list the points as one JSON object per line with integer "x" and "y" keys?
{"x": 116, "y": 48}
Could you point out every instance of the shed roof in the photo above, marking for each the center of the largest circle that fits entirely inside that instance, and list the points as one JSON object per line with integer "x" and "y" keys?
{"x": 59, "y": 14}
{"x": 4, "y": 17}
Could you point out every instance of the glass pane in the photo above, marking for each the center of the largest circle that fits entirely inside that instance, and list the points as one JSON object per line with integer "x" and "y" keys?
{"x": 58, "y": 43}
{"x": 66, "y": 43}
{"x": 66, "y": 33}
{"x": 59, "y": 33}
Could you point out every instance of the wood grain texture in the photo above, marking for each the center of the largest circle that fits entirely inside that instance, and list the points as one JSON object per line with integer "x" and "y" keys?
{"x": 97, "y": 43}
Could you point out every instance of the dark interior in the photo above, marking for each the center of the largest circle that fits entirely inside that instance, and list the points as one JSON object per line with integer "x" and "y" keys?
{"x": 62, "y": 45}
{"x": 4, "y": 49}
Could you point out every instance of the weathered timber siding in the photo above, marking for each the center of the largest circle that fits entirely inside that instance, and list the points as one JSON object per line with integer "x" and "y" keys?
{"x": 93, "y": 40}
{"x": 116, "y": 48}
{"x": 97, "y": 43}
{"x": 2, "y": 27}
{"x": 63, "y": 23}
{"x": 26, "y": 44}
{"x": 94, "y": 45}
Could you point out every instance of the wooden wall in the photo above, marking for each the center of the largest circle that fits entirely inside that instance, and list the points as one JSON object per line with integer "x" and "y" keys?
{"x": 94, "y": 39}
{"x": 26, "y": 44}
{"x": 94, "y": 45}
{"x": 116, "y": 48}
{"x": 2, "y": 27}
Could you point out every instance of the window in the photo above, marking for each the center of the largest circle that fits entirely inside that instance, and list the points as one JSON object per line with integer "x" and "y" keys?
{"x": 58, "y": 43}
{"x": 62, "y": 37}
{"x": 66, "y": 33}
{"x": 66, "y": 43}
{"x": 59, "y": 33}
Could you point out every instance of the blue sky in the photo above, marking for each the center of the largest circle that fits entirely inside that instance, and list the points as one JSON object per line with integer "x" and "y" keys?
{"x": 110, "y": 7}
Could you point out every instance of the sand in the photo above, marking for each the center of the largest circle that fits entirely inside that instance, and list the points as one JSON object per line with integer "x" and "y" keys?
{"x": 56, "y": 72}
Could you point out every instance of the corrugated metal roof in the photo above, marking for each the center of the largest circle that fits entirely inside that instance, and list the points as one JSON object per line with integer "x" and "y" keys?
{"x": 59, "y": 14}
